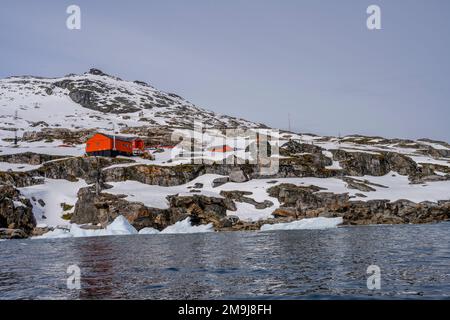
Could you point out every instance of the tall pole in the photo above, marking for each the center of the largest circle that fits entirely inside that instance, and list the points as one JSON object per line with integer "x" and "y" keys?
{"x": 289, "y": 122}
{"x": 15, "y": 129}
{"x": 114, "y": 137}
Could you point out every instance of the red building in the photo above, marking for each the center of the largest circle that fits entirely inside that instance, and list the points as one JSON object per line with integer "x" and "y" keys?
{"x": 101, "y": 144}
{"x": 224, "y": 148}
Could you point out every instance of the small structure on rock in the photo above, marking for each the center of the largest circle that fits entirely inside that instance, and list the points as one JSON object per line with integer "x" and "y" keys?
{"x": 101, "y": 144}
{"x": 223, "y": 148}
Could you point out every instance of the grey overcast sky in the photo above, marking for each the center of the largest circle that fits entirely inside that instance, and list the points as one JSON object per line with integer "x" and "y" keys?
{"x": 256, "y": 59}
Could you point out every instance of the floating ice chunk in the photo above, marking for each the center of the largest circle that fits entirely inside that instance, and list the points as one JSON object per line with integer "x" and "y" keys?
{"x": 305, "y": 224}
{"x": 120, "y": 225}
{"x": 185, "y": 226}
{"x": 149, "y": 231}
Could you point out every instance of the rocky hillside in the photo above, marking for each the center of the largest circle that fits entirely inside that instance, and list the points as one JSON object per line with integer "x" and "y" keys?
{"x": 360, "y": 183}
{"x": 47, "y": 181}
{"x": 97, "y": 100}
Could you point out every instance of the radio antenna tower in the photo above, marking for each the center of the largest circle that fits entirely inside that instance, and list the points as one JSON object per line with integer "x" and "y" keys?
{"x": 15, "y": 129}
{"x": 289, "y": 122}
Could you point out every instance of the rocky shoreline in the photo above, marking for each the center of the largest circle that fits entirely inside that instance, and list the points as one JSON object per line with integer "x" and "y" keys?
{"x": 95, "y": 206}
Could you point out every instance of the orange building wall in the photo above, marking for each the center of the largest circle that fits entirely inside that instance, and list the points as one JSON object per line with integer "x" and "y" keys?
{"x": 98, "y": 143}
{"x": 124, "y": 146}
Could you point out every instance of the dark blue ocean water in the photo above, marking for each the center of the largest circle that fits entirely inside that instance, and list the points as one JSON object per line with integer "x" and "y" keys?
{"x": 304, "y": 264}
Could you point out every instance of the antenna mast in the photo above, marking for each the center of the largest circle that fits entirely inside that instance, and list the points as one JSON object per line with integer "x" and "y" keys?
{"x": 289, "y": 122}
{"x": 15, "y": 129}
{"x": 114, "y": 137}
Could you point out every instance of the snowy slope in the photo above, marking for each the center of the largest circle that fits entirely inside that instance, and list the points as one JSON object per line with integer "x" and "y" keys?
{"x": 96, "y": 100}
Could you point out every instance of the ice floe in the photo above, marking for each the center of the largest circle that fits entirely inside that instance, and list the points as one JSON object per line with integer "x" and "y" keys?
{"x": 305, "y": 224}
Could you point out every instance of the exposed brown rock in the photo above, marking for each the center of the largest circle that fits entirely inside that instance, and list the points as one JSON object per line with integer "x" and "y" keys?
{"x": 15, "y": 210}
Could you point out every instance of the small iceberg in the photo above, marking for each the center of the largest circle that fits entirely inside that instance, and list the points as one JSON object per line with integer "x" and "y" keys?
{"x": 305, "y": 224}
{"x": 185, "y": 226}
{"x": 120, "y": 226}
{"x": 149, "y": 231}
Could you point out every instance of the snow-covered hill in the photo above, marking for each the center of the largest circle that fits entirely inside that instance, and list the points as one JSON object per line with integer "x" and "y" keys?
{"x": 357, "y": 179}
{"x": 97, "y": 100}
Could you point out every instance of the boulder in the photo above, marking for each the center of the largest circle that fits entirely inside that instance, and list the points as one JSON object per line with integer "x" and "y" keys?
{"x": 15, "y": 210}
{"x": 203, "y": 209}
{"x": 220, "y": 181}
{"x": 12, "y": 233}
{"x": 294, "y": 147}
{"x": 238, "y": 175}
{"x": 378, "y": 163}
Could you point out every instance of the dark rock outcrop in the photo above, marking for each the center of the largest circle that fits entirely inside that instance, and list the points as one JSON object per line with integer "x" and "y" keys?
{"x": 155, "y": 175}
{"x": 293, "y": 147}
{"x": 306, "y": 202}
{"x": 28, "y": 158}
{"x": 71, "y": 168}
{"x": 104, "y": 208}
{"x": 88, "y": 168}
{"x": 88, "y": 93}
{"x": 15, "y": 212}
{"x": 203, "y": 209}
{"x": 374, "y": 163}
{"x": 66, "y": 135}
{"x": 6, "y": 233}
{"x": 238, "y": 175}
{"x": 19, "y": 179}
{"x": 243, "y": 196}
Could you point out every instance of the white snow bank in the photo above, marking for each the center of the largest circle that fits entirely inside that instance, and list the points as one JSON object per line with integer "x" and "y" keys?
{"x": 18, "y": 167}
{"x": 53, "y": 192}
{"x": 399, "y": 187}
{"x": 248, "y": 212}
{"x": 51, "y": 148}
{"x": 436, "y": 146}
{"x": 154, "y": 195}
{"x": 424, "y": 159}
{"x": 304, "y": 224}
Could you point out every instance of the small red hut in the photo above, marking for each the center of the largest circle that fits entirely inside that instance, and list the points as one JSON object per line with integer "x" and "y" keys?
{"x": 101, "y": 144}
{"x": 224, "y": 148}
